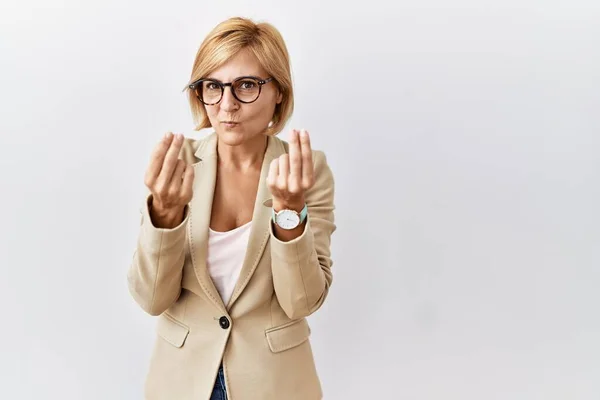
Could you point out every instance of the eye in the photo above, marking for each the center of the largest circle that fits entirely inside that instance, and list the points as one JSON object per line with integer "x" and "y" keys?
{"x": 211, "y": 86}
{"x": 247, "y": 84}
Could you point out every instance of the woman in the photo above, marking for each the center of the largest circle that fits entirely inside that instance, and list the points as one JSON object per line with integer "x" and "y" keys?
{"x": 234, "y": 246}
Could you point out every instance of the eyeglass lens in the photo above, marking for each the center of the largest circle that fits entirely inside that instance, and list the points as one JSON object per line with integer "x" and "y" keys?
{"x": 245, "y": 90}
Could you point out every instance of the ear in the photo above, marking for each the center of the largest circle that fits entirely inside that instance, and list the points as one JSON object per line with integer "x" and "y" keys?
{"x": 279, "y": 97}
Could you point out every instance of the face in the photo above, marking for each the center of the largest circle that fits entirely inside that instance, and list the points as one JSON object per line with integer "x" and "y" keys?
{"x": 251, "y": 119}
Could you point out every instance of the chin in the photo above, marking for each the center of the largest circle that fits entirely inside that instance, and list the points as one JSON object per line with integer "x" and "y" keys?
{"x": 232, "y": 138}
{"x": 236, "y": 136}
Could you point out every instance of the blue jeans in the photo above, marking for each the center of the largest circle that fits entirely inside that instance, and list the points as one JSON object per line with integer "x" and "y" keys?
{"x": 219, "y": 392}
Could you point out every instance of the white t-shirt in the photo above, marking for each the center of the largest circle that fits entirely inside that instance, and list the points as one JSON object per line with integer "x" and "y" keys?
{"x": 226, "y": 252}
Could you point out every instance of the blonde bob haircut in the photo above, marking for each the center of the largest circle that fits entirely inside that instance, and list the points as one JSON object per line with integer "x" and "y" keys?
{"x": 223, "y": 43}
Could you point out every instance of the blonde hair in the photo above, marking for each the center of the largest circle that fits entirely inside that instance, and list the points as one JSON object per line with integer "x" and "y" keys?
{"x": 266, "y": 43}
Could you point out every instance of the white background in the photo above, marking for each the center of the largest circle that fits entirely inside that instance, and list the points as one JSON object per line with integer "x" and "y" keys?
{"x": 464, "y": 137}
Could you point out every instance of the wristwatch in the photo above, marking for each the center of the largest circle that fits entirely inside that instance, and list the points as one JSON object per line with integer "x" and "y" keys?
{"x": 289, "y": 219}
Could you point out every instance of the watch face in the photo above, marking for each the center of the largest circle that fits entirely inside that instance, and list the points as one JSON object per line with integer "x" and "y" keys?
{"x": 287, "y": 219}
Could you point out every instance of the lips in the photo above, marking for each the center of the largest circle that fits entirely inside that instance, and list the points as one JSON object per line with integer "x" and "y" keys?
{"x": 230, "y": 125}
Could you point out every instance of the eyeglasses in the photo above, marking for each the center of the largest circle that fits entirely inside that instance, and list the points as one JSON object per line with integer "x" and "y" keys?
{"x": 245, "y": 89}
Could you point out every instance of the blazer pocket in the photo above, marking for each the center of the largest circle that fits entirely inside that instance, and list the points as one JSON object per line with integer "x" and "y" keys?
{"x": 172, "y": 330}
{"x": 287, "y": 336}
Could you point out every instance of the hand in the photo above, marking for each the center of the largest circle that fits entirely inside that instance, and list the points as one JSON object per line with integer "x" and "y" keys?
{"x": 170, "y": 181}
{"x": 291, "y": 175}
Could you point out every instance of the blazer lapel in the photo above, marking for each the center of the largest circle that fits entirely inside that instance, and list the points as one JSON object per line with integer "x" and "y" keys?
{"x": 200, "y": 214}
{"x": 205, "y": 178}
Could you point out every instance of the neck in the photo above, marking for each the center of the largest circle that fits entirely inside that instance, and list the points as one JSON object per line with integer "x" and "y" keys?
{"x": 242, "y": 157}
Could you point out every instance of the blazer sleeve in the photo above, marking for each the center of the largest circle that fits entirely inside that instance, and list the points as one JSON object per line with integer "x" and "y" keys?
{"x": 302, "y": 267}
{"x": 154, "y": 276}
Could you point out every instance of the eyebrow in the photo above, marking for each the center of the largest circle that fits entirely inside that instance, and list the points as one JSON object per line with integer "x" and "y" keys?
{"x": 241, "y": 76}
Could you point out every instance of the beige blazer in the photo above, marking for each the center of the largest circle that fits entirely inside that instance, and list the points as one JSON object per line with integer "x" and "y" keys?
{"x": 261, "y": 336}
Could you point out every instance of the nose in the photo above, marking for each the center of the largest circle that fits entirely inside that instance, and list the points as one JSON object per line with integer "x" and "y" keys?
{"x": 228, "y": 102}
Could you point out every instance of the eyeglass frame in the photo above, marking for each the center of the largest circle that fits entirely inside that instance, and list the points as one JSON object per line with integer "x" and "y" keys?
{"x": 223, "y": 85}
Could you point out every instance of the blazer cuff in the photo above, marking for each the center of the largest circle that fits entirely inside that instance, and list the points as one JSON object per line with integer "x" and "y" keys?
{"x": 161, "y": 238}
{"x": 296, "y": 249}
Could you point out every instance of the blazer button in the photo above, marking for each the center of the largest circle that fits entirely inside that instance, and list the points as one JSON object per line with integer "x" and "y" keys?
{"x": 224, "y": 322}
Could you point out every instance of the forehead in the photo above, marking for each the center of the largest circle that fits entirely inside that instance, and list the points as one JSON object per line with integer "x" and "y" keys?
{"x": 242, "y": 64}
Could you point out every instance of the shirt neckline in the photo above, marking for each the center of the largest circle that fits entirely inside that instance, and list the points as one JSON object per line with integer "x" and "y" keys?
{"x": 230, "y": 231}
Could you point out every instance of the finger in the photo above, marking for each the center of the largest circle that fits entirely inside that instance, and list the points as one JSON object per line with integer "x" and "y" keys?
{"x": 307, "y": 160}
{"x": 157, "y": 158}
{"x": 170, "y": 161}
{"x": 284, "y": 171}
{"x": 188, "y": 183}
{"x": 176, "y": 181}
{"x": 295, "y": 156}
